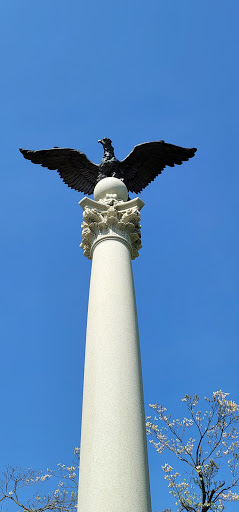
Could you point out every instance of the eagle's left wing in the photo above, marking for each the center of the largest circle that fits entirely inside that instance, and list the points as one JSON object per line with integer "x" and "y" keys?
{"x": 148, "y": 160}
{"x": 73, "y": 166}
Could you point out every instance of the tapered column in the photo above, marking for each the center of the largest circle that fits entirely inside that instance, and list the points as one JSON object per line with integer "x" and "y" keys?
{"x": 113, "y": 457}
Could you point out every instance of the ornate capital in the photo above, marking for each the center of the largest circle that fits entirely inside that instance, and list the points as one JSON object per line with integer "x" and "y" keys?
{"x": 111, "y": 218}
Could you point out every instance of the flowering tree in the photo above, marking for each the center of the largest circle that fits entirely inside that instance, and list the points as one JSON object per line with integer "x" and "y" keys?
{"x": 31, "y": 490}
{"x": 207, "y": 443}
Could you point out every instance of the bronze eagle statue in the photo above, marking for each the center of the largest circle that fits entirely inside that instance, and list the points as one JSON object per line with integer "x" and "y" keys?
{"x": 137, "y": 170}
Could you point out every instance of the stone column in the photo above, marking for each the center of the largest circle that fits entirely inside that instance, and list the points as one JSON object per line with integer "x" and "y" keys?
{"x": 113, "y": 458}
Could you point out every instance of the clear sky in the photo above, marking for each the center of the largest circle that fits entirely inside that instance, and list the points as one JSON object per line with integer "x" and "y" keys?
{"x": 71, "y": 73}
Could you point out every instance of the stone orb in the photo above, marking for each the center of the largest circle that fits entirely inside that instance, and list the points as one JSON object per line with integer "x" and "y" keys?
{"x": 110, "y": 186}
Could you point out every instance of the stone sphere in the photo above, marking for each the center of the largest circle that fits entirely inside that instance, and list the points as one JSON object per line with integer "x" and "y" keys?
{"x": 110, "y": 186}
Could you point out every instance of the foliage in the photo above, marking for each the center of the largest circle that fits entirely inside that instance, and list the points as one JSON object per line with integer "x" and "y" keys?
{"x": 15, "y": 484}
{"x": 207, "y": 443}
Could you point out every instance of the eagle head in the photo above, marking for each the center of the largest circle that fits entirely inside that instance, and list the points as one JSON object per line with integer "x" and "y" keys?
{"x": 106, "y": 143}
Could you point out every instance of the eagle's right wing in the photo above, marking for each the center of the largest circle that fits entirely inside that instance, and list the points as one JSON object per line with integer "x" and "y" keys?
{"x": 147, "y": 160}
{"x": 73, "y": 166}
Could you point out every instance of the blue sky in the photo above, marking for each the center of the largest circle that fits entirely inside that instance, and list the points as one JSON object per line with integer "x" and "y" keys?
{"x": 74, "y": 72}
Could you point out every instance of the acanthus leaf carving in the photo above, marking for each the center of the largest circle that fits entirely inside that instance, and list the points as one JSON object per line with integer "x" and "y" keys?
{"x": 108, "y": 220}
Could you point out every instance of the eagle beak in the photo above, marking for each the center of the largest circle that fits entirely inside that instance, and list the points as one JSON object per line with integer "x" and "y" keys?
{"x": 100, "y": 141}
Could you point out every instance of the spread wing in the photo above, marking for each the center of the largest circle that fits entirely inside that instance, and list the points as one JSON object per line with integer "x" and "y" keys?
{"x": 148, "y": 160}
{"x": 73, "y": 166}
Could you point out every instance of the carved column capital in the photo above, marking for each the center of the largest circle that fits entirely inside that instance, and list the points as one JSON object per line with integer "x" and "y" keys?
{"x": 111, "y": 218}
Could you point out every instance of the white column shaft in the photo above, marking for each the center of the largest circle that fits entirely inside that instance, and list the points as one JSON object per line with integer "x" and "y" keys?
{"x": 113, "y": 458}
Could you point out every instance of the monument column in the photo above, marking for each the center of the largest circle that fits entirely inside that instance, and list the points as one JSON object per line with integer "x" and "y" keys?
{"x": 113, "y": 456}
